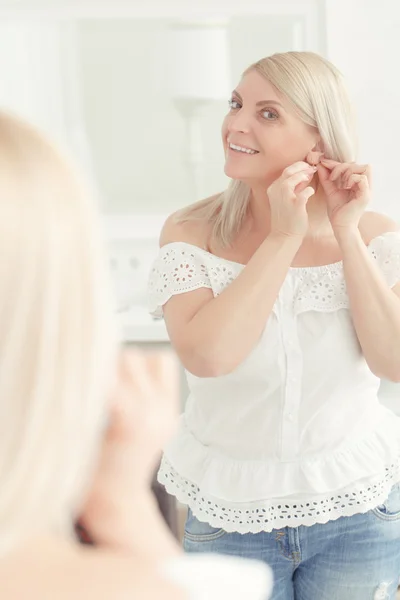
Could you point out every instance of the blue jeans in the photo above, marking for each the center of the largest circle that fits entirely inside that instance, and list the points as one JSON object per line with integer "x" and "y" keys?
{"x": 351, "y": 558}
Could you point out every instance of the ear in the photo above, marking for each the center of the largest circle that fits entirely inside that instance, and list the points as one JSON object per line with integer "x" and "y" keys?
{"x": 319, "y": 144}
{"x": 316, "y": 151}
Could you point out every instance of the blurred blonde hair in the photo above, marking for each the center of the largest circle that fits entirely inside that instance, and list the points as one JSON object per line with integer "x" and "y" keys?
{"x": 316, "y": 92}
{"x": 57, "y": 336}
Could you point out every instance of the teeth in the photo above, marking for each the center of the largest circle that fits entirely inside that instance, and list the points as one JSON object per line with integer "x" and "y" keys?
{"x": 240, "y": 149}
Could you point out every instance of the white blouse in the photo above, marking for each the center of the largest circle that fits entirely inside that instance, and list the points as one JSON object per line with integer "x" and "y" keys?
{"x": 295, "y": 435}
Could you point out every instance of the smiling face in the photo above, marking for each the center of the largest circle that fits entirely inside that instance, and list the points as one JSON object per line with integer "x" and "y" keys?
{"x": 262, "y": 135}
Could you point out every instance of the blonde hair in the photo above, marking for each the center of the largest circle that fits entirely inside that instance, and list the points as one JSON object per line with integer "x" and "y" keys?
{"x": 315, "y": 90}
{"x": 57, "y": 336}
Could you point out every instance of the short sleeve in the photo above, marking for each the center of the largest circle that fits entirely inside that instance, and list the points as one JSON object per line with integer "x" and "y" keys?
{"x": 179, "y": 268}
{"x": 385, "y": 249}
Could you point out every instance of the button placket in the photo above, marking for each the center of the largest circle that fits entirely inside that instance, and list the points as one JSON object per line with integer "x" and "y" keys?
{"x": 292, "y": 386}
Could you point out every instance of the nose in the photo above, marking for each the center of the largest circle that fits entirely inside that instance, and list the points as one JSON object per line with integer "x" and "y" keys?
{"x": 240, "y": 122}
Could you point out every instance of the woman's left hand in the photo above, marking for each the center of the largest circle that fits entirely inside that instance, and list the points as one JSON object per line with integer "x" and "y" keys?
{"x": 347, "y": 189}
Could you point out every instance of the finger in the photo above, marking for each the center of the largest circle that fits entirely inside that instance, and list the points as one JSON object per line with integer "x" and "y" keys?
{"x": 329, "y": 162}
{"x": 154, "y": 375}
{"x": 160, "y": 365}
{"x": 323, "y": 172}
{"x": 133, "y": 371}
{"x": 122, "y": 406}
{"x": 364, "y": 170}
{"x": 356, "y": 179}
{"x": 338, "y": 171}
{"x": 355, "y": 168}
{"x": 297, "y": 178}
{"x": 157, "y": 375}
{"x": 358, "y": 169}
{"x": 344, "y": 179}
{"x": 305, "y": 195}
{"x": 123, "y": 415}
{"x": 163, "y": 374}
{"x": 296, "y": 168}
{"x": 367, "y": 171}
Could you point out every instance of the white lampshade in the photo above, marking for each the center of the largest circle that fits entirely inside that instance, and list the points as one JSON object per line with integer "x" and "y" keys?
{"x": 199, "y": 64}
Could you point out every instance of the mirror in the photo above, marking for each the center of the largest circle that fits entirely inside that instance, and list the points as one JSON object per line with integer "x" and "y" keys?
{"x": 112, "y": 90}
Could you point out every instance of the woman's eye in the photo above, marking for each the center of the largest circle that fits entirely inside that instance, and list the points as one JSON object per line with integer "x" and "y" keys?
{"x": 269, "y": 115}
{"x": 233, "y": 104}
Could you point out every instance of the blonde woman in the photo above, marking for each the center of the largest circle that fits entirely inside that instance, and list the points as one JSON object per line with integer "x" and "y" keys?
{"x": 82, "y": 424}
{"x": 281, "y": 298}
{"x": 70, "y": 409}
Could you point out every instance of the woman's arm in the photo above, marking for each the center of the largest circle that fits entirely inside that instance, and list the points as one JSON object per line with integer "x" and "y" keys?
{"x": 212, "y": 336}
{"x": 375, "y": 307}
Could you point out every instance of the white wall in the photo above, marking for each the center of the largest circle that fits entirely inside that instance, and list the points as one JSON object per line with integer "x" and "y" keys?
{"x": 363, "y": 40}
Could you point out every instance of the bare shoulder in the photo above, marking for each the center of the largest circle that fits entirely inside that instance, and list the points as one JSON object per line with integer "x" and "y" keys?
{"x": 124, "y": 577}
{"x": 66, "y": 572}
{"x": 374, "y": 224}
{"x": 194, "y": 231}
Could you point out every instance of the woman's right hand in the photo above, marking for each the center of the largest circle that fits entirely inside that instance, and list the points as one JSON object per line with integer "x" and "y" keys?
{"x": 288, "y": 196}
{"x": 120, "y": 510}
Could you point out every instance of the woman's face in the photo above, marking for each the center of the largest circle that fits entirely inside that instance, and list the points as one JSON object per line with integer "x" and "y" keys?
{"x": 261, "y": 121}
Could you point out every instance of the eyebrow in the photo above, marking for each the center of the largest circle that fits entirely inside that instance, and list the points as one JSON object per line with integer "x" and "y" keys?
{"x": 261, "y": 103}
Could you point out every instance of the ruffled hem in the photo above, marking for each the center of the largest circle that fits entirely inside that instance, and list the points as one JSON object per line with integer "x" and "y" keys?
{"x": 249, "y": 481}
{"x": 267, "y": 515}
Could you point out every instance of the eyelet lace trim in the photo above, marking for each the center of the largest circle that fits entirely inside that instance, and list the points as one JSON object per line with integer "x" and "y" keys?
{"x": 176, "y": 271}
{"x": 275, "y": 514}
{"x": 182, "y": 267}
{"x": 321, "y": 291}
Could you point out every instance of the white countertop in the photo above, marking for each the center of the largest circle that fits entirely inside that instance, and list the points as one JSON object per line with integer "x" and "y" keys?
{"x": 138, "y": 326}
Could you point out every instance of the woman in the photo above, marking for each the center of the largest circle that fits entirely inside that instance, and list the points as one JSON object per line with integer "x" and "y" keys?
{"x": 82, "y": 425}
{"x": 68, "y": 416}
{"x": 281, "y": 298}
